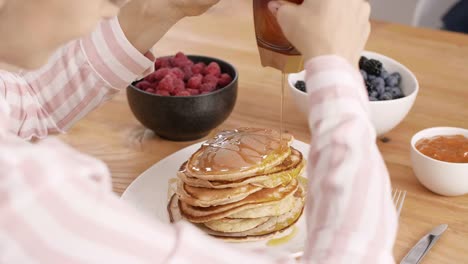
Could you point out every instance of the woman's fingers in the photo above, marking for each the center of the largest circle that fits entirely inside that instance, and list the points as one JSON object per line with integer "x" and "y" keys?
{"x": 320, "y": 27}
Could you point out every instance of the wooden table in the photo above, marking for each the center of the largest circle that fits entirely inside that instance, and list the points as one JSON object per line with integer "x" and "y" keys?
{"x": 439, "y": 60}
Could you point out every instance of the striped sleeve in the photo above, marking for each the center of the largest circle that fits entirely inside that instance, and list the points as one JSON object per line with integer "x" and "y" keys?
{"x": 350, "y": 210}
{"x": 57, "y": 207}
{"x": 77, "y": 79}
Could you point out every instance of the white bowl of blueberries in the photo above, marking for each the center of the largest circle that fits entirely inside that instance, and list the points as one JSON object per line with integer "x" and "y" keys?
{"x": 392, "y": 89}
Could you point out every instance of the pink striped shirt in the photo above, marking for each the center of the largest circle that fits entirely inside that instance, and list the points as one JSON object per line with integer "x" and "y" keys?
{"x": 57, "y": 205}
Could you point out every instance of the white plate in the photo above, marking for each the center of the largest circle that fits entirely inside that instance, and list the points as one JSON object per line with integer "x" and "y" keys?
{"x": 149, "y": 193}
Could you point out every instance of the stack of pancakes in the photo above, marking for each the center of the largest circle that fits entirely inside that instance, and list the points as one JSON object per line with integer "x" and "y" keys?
{"x": 242, "y": 185}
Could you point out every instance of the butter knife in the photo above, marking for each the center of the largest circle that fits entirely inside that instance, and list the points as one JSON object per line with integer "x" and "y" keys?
{"x": 417, "y": 253}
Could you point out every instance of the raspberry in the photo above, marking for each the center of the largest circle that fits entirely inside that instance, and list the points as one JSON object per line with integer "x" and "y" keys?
{"x": 208, "y": 87}
{"x": 178, "y": 84}
{"x": 180, "y": 60}
{"x": 159, "y": 74}
{"x": 150, "y": 90}
{"x": 198, "y": 68}
{"x": 176, "y": 91}
{"x": 211, "y": 79}
{"x": 172, "y": 75}
{"x": 213, "y": 69}
{"x": 167, "y": 84}
{"x": 181, "y": 55}
{"x": 193, "y": 91}
{"x": 187, "y": 72}
{"x": 180, "y": 63}
{"x": 143, "y": 85}
{"x": 224, "y": 80}
{"x": 163, "y": 93}
{"x": 178, "y": 73}
{"x": 155, "y": 84}
{"x": 183, "y": 93}
{"x": 195, "y": 82}
{"x": 149, "y": 78}
{"x": 162, "y": 63}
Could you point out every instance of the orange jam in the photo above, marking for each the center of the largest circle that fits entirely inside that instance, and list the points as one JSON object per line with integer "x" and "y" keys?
{"x": 445, "y": 148}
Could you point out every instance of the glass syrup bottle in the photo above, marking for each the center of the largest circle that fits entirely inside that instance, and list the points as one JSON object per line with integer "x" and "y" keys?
{"x": 275, "y": 50}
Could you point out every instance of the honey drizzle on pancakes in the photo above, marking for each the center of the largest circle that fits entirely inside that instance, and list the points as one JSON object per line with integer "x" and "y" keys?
{"x": 238, "y": 150}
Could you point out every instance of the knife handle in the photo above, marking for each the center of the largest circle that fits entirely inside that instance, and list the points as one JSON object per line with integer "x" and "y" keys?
{"x": 420, "y": 250}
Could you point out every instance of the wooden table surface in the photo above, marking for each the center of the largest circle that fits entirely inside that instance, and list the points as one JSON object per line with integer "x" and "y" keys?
{"x": 438, "y": 59}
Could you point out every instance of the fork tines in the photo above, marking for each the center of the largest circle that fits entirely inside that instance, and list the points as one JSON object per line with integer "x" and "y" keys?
{"x": 398, "y": 199}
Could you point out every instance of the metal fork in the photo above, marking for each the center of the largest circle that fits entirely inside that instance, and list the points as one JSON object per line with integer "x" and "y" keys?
{"x": 398, "y": 197}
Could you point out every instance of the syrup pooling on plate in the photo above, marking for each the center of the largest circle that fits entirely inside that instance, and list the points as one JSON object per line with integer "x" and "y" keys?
{"x": 284, "y": 239}
{"x": 238, "y": 150}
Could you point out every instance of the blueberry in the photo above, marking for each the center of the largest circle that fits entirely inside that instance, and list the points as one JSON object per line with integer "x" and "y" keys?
{"x": 388, "y": 89}
{"x": 380, "y": 90}
{"x": 384, "y": 74}
{"x": 391, "y": 81}
{"x": 369, "y": 86}
{"x": 364, "y": 74}
{"x": 300, "y": 85}
{"x": 373, "y": 99}
{"x": 378, "y": 82}
{"x": 374, "y": 94}
{"x": 386, "y": 96}
{"x": 396, "y": 92}
{"x": 371, "y": 77}
{"x": 398, "y": 76}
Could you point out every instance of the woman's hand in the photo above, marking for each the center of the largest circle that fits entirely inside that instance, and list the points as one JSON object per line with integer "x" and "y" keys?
{"x": 144, "y": 22}
{"x": 192, "y": 7}
{"x": 323, "y": 27}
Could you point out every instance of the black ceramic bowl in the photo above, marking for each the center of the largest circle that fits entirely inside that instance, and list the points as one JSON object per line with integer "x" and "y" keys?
{"x": 184, "y": 118}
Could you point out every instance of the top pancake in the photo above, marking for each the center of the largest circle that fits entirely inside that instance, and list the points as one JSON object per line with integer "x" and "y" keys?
{"x": 269, "y": 178}
{"x": 238, "y": 154}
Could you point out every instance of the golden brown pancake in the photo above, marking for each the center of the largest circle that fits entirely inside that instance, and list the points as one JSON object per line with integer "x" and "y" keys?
{"x": 258, "y": 199}
{"x": 205, "y": 197}
{"x": 238, "y": 154}
{"x": 270, "y": 178}
{"x": 235, "y": 225}
{"x": 274, "y": 223}
{"x": 267, "y": 209}
{"x": 269, "y": 228}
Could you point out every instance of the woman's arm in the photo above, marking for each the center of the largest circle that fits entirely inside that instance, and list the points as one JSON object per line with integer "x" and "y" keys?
{"x": 77, "y": 79}
{"x": 350, "y": 212}
{"x": 57, "y": 206}
{"x": 349, "y": 207}
{"x": 87, "y": 72}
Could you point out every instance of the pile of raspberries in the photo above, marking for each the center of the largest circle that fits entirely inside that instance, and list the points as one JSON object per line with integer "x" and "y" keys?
{"x": 179, "y": 76}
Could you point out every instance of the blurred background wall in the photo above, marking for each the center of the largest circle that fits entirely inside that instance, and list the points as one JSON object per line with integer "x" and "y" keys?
{"x": 423, "y": 13}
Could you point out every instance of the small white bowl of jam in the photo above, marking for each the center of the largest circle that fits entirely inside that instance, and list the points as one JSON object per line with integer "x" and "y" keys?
{"x": 440, "y": 159}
